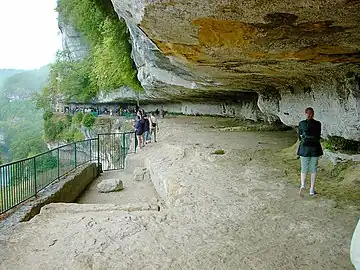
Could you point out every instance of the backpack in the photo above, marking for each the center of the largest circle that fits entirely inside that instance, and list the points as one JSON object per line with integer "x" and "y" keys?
{"x": 307, "y": 139}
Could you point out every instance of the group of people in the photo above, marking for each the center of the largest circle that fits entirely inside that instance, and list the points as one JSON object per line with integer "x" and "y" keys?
{"x": 97, "y": 110}
{"x": 146, "y": 128}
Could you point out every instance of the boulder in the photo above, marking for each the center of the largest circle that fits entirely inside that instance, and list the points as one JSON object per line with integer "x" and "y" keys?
{"x": 141, "y": 174}
{"x": 109, "y": 185}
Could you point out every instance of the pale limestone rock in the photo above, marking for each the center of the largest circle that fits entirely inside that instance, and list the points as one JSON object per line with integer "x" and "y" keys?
{"x": 141, "y": 174}
{"x": 109, "y": 185}
{"x": 290, "y": 56}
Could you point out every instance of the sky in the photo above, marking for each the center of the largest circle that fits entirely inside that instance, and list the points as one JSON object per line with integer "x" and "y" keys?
{"x": 29, "y": 35}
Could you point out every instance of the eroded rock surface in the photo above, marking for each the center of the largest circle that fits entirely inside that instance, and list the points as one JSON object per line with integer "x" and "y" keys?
{"x": 291, "y": 54}
{"x": 72, "y": 41}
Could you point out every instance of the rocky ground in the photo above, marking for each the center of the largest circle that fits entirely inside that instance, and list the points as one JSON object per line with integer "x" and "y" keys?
{"x": 231, "y": 211}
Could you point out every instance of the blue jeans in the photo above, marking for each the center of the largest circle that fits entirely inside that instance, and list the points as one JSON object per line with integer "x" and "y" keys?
{"x": 147, "y": 136}
{"x": 309, "y": 163}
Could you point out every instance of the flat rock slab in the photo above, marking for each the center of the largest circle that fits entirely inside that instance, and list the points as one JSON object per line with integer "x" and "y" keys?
{"x": 110, "y": 185}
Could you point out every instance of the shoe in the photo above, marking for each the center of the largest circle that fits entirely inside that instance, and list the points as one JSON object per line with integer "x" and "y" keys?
{"x": 302, "y": 188}
{"x": 313, "y": 193}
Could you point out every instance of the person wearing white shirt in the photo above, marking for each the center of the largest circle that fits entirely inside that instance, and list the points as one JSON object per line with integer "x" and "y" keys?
{"x": 154, "y": 126}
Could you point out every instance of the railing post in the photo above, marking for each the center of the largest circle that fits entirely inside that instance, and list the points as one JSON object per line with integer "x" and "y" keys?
{"x": 90, "y": 151}
{"x": 123, "y": 150}
{"x": 98, "y": 152}
{"x": 35, "y": 191}
{"x": 75, "y": 155}
{"x": 58, "y": 162}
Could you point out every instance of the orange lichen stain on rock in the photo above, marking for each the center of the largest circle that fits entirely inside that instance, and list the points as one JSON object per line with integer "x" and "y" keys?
{"x": 325, "y": 53}
{"x": 224, "y": 33}
{"x": 190, "y": 52}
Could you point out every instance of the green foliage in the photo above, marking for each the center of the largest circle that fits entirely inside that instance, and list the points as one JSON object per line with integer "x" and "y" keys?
{"x": 89, "y": 120}
{"x": 108, "y": 65}
{"x": 47, "y": 115}
{"x": 78, "y": 117}
{"x": 46, "y": 162}
{"x": 27, "y": 144}
{"x": 20, "y": 122}
{"x": 64, "y": 128}
{"x": 73, "y": 135}
{"x": 218, "y": 152}
{"x": 113, "y": 65}
{"x": 26, "y": 83}
{"x": 55, "y": 127}
{"x": 336, "y": 143}
{"x": 70, "y": 79}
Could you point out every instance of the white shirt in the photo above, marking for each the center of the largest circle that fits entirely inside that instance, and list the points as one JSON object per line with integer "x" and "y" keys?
{"x": 153, "y": 119}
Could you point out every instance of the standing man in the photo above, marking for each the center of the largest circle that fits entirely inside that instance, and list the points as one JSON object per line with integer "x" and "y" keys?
{"x": 309, "y": 149}
{"x": 154, "y": 126}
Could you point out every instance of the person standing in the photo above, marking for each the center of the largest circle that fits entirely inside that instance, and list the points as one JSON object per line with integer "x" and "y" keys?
{"x": 147, "y": 135}
{"x": 139, "y": 131}
{"x": 309, "y": 148}
{"x": 162, "y": 112}
{"x": 154, "y": 126}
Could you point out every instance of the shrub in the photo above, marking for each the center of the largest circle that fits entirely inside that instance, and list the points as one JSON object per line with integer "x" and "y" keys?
{"x": 88, "y": 120}
{"x": 78, "y": 117}
{"x": 69, "y": 119}
{"x": 47, "y": 115}
{"x": 336, "y": 143}
{"x": 73, "y": 135}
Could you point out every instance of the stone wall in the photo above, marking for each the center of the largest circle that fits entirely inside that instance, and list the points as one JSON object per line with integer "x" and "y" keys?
{"x": 67, "y": 189}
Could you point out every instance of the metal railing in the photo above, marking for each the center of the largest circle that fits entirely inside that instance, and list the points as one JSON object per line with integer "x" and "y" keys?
{"x": 20, "y": 180}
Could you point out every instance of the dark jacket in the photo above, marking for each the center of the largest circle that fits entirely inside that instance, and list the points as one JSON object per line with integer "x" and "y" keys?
{"x": 146, "y": 124}
{"x": 312, "y": 128}
{"x": 139, "y": 127}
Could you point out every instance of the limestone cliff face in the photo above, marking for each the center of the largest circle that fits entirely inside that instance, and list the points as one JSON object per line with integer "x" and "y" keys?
{"x": 291, "y": 54}
{"x": 72, "y": 41}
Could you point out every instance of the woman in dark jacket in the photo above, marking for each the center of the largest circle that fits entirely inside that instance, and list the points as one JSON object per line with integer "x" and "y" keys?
{"x": 139, "y": 130}
{"x": 309, "y": 149}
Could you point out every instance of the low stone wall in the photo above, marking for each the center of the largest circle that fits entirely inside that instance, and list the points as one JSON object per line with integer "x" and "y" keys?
{"x": 67, "y": 189}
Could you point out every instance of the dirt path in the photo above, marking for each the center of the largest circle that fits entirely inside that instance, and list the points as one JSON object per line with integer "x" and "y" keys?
{"x": 135, "y": 192}
{"x": 228, "y": 211}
